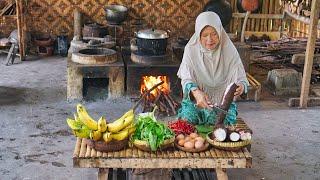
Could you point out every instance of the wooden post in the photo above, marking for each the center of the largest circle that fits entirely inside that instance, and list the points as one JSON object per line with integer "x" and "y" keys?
{"x": 77, "y": 24}
{"x": 103, "y": 174}
{"x": 20, "y": 27}
{"x": 315, "y": 9}
{"x": 244, "y": 25}
{"x": 221, "y": 174}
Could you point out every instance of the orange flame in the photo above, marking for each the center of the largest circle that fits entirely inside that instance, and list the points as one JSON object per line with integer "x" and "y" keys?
{"x": 149, "y": 81}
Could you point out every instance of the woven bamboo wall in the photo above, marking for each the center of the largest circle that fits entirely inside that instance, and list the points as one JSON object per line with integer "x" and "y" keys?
{"x": 300, "y": 29}
{"x": 56, "y": 16}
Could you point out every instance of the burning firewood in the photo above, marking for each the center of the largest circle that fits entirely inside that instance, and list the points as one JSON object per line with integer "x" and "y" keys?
{"x": 160, "y": 96}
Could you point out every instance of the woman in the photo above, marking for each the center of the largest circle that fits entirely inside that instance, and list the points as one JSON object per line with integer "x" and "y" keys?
{"x": 210, "y": 63}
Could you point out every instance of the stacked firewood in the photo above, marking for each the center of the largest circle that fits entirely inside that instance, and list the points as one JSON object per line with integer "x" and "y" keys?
{"x": 7, "y": 8}
{"x": 281, "y": 50}
{"x": 300, "y": 7}
{"x": 163, "y": 101}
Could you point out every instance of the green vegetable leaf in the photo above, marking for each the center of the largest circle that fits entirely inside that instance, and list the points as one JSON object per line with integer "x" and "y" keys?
{"x": 148, "y": 129}
{"x": 204, "y": 129}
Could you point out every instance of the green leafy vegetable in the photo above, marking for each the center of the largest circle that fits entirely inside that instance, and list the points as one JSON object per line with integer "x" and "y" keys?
{"x": 148, "y": 129}
{"x": 203, "y": 130}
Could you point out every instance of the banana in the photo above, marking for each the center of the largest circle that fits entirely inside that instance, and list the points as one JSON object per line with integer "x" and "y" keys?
{"x": 76, "y": 118}
{"x": 121, "y": 135}
{"x": 121, "y": 123}
{"x": 85, "y": 118}
{"x": 130, "y": 126}
{"x": 128, "y": 120}
{"x": 95, "y": 135}
{"x": 82, "y": 133}
{"x": 132, "y": 130}
{"x": 74, "y": 125}
{"x": 106, "y": 137}
{"x": 102, "y": 125}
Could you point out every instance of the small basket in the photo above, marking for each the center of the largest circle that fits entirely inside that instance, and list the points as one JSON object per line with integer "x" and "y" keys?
{"x": 107, "y": 147}
{"x": 204, "y": 148}
{"x": 228, "y": 146}
{"x": 144, "y": 145}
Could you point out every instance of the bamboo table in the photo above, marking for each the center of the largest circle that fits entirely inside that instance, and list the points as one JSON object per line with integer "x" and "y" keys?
{"x": 220, "y": 160}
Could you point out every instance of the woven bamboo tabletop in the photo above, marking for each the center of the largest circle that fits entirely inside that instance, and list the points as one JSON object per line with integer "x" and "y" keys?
{"x": 86, "y": 157}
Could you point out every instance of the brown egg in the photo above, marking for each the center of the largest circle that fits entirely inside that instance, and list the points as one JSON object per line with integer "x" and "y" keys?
{"x": 181, "y": 142}
{"x": 189, "y": 145}
{"x": 199, "y": 139}
{"x": 193, "y": 135}
{"x": 198, "y": 144}
{"x": 188, "y": 138}
{"x": 180, "y": 136}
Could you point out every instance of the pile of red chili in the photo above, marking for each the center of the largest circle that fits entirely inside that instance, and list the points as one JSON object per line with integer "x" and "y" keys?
{"x": 181, "y": 127}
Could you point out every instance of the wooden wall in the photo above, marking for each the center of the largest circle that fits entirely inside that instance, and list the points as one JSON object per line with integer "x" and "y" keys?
{"x": 7, "y": 24}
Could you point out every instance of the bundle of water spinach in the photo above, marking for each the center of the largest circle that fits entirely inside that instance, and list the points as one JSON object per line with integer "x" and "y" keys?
{"x": 150, "y": 130}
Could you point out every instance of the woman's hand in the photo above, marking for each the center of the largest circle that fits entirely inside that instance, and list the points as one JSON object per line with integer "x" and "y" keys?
{"x": 239, "y": 90}
{"x": 202, "y": 100}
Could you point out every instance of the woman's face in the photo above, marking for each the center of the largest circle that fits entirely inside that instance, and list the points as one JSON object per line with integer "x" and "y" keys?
{"x": 209, "y": 38}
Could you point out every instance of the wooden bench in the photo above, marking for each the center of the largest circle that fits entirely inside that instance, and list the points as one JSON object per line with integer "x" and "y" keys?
{"x": 220, "y": 160}
{"x": 254, "y": 90}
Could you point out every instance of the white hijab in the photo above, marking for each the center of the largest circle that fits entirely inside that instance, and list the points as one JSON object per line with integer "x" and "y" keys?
{"x": 211, "y": 70}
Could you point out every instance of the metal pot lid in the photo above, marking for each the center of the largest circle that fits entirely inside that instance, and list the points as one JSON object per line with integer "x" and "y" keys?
{"x": 152, "y": 34}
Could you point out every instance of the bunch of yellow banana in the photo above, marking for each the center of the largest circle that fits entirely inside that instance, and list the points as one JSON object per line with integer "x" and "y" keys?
{"x": 121, "y": 128}
{"x": 86, "y": 127}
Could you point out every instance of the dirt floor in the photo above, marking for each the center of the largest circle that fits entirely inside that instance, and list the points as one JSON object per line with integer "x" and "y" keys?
{"x": 35, "y": 142}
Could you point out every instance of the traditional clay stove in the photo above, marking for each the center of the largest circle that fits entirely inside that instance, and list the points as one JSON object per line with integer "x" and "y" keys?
{"x": 90, "y": 42}
{"x": 139, "y": 66}
{"x": 95, "y": 56}
{"x": 150, "y": 58}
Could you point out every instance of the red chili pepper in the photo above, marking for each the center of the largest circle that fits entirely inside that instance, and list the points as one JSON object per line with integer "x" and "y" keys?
{"x": 181, "y": 126}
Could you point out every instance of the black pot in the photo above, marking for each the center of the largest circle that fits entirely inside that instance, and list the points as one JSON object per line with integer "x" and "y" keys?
{"x": 116, "y": 14}
{"x": 152, "y": 42}
{"x": 152, "y": 47}
{"x": 222, "y": 8}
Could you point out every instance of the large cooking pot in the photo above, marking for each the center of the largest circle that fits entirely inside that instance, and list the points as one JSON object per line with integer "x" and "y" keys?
{"x": 253, "y": 6}
{"x": 152, "y": 42}
{"x": 222, "y": 8}
{"x": 116, "y": 14}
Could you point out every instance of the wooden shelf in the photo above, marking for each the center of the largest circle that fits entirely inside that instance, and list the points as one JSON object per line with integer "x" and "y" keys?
{"x": 258, "y": 16}
{"x": 8, "y": 17}
{"x": 299, "y": 59}
{"x": 297, "y": 17}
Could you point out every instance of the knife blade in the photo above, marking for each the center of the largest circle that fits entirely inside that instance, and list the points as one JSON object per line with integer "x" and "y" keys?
{"x": 218, "y": 109}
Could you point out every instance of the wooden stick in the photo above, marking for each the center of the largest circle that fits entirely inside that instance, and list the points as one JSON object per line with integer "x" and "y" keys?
{"x": 144, "y": 106}
{"x": 158, "y": 97}
{"x": 170, "y": 104}
{"x": 244, "y": 25}
{"x": 147, "y": 92}
{"x": 315, "y": 9}
{"x": 172, "y": 100}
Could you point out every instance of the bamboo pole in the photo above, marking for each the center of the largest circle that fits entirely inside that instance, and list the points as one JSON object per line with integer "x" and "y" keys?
{"x": 20, "y": 29}
{"x": 77, "y": 24}
{"x": 244, "y": 26}
{"x": 271, "y": 11}
{"x": 315, "y": 9}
